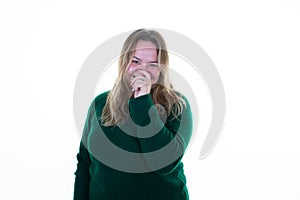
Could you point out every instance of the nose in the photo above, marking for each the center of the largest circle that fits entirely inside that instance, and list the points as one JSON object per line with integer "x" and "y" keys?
{"x": 142, "y": 66}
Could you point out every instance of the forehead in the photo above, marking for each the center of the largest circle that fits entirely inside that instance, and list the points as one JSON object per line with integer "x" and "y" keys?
{"x": 145, "y": 50}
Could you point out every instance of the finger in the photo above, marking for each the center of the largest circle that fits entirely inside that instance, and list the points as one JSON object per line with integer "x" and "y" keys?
{"x": 134, "y": 78}
{"x": 140, "y": 80}
{"x": 141, "y": 72}
{"x": 140, "y": 77}
{"x": 137, "y": 87}
{"x": 144, "y": 73}
{"x": 138, "y": 84}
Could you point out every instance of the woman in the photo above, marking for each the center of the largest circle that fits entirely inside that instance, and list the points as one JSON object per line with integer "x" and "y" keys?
{"x": 141, "y": 115}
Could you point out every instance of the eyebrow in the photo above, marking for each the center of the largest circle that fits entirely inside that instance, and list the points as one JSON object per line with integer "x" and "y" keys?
{"x": 141, "y": 60}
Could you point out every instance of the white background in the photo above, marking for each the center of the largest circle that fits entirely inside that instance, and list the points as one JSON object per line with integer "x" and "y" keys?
{"x": 254, "y": 44}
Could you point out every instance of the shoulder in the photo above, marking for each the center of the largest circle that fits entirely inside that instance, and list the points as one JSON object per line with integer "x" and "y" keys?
{"x": 99, "y": 102}
{"x": 101, "y": 98}
{"x": 185, "y": 100}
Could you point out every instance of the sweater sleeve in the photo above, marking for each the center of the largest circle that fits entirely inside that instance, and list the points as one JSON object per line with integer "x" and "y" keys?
{"x": 82, "y": 174}
{"x": 82, "y": 179}
{"x": 167, "y": 139}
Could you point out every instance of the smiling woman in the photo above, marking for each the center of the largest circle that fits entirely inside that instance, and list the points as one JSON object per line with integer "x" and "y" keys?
{"x": 143, "y": 68}
{"x": 141, "y": 90}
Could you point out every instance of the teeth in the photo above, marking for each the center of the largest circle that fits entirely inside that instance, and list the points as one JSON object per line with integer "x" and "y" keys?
{"x": 132, "y": 89}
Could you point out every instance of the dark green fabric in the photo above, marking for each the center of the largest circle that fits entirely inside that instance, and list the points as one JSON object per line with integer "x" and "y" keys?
{"x": 96, "y": 180}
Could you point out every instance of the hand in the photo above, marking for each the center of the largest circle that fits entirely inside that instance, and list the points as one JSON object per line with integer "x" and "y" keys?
{"x": 140, "y": 82}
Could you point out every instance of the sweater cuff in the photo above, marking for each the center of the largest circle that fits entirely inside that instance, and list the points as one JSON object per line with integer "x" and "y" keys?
{"x": 139, "y": 109}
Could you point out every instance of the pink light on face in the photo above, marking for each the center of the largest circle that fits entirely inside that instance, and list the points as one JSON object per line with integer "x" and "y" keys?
{"x": 144, "y": 58}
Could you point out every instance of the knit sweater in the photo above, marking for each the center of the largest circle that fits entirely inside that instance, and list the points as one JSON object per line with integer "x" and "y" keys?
{"x": 138, "y": 162}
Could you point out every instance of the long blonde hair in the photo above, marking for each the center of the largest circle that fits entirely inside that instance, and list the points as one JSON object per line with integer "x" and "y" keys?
{"x": 116, "y": 109}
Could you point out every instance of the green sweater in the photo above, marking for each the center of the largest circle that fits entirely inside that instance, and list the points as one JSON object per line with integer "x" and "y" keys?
{"x": 150, "y": 168}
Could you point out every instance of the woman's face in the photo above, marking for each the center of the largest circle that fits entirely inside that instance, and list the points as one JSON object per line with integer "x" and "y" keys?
{"x": 144, "y": 58}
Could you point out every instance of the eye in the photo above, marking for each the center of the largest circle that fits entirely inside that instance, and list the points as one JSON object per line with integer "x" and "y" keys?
{"x": 153, "y": 65}
{"x": 136, "y": 62}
